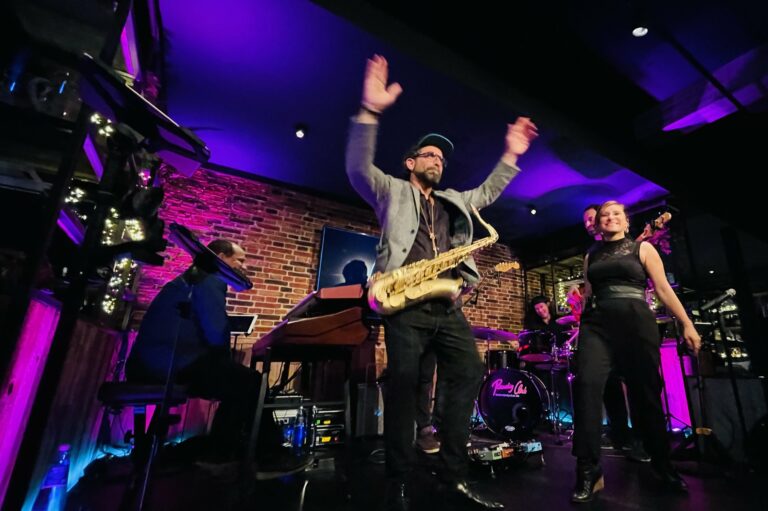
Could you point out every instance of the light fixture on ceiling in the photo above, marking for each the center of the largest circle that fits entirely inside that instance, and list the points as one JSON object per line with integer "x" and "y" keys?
{"x": 301, "y": 130}
{"x": 711, "y": 272}
{"x": 532, "y": 209}
{"x": 639, "y": 18}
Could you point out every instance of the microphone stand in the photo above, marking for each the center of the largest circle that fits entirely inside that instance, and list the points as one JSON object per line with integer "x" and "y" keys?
{"x": 476, "y": 293}
{"x": 136, "y": 494}
{"x": 703, "y": 436}
{"x": 731, "y": 375}
{"x": 697, "y": 432}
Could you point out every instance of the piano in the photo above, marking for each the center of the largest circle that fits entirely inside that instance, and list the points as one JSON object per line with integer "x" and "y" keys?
{"x": 326, "y": 325}
{"x": 331, "y": 316}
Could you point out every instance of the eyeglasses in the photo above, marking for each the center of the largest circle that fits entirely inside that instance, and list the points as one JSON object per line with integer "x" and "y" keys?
{"x": 430, "y": 154}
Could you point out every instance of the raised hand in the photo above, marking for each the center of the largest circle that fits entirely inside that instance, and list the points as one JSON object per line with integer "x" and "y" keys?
{"x": 520, "y": 135}
{"x": 377, "y": 96}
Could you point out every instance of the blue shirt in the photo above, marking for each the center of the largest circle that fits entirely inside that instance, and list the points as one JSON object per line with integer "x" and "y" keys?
{"x": 205, "y": 331}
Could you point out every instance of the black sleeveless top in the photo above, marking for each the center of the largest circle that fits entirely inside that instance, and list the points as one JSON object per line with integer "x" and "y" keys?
{"x": 615, "y": 263}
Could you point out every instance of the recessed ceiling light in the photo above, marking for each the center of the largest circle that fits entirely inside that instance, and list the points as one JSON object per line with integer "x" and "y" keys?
{"x": 301, "y": 130}
{"x": 639, "y": 31}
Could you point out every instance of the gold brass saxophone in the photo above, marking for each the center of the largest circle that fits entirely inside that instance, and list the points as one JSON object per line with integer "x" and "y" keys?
{"x": 400, "y": 288}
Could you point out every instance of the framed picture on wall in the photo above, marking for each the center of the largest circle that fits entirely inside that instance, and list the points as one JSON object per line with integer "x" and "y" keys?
{"x": 346, "y": 257}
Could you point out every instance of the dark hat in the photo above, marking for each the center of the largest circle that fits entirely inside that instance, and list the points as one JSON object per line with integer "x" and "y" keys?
{"x": 437, "y": 140}
{"x": 539, "y": 299}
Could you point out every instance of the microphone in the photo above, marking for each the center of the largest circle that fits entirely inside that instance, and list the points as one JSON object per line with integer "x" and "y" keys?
{"x": 716, "y": 301}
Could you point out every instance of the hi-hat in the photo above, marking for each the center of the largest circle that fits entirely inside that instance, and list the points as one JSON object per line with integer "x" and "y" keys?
{"x": 490, "y": 334}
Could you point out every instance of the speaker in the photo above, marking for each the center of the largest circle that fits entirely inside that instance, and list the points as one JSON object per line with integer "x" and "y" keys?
{"x": 720, "y": 414}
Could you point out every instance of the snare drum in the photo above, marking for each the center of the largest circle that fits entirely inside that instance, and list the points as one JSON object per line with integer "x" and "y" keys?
{"x": 561, "y": 360}
{"x": 536, "y": 346}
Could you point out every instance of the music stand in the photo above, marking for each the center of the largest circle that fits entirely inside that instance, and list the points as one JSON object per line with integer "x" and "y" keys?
{"x": 241, "y": 324}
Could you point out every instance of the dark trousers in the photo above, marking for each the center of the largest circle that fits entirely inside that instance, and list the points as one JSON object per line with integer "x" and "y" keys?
{"x": 619, "y": 335}
{"x": 616, "y": 410}
{"x": 426, "y": 413}
{"x": 217, "y": 376}
{"x": 431, "y": 325}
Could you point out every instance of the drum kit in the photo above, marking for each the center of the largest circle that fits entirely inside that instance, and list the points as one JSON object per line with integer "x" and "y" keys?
{"x": 513, "y": 397}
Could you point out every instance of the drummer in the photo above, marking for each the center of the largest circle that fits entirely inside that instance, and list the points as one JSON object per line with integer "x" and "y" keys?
{"x": 540, "y": 317}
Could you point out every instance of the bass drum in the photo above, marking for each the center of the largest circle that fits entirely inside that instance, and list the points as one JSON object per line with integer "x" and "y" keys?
{"x": 512, "y": 402}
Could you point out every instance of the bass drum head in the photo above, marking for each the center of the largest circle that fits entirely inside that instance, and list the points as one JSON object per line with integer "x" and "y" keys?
{"x": 512, "y": 402}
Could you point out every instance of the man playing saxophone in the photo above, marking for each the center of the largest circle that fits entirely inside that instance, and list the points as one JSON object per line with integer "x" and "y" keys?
{"x": 419, "y": 222}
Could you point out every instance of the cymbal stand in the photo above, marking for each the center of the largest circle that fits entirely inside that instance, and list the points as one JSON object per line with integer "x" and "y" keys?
{"x": 554, "y": 396}
{"x": 554, "y": 392}
{"x": 572, "y": 344}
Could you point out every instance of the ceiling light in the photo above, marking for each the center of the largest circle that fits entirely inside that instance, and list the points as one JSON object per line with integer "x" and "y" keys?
{"x": 639, "y": 31}
{"x": 531, "y": 209}
{"x": 301, "y": 130}
{"x": 711, "y": 272}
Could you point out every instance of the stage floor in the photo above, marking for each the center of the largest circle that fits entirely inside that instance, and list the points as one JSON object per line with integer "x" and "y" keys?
{"x": 354, "y": 480}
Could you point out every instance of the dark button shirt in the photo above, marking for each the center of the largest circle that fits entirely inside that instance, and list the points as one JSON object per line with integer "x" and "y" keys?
{"x": 422, "y": 245}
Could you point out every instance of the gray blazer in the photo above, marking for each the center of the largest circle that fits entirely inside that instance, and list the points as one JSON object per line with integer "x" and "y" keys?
{"x": 397, "y": 205}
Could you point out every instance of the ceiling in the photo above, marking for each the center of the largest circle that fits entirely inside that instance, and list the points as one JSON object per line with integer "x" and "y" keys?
{"x": 620, "y": 117}
{"x": 680, "y": 111}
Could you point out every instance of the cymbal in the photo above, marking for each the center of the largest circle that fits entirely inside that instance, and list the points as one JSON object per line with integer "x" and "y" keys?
{"x": 490, "y": 334}
{"x": 567, "y": 320}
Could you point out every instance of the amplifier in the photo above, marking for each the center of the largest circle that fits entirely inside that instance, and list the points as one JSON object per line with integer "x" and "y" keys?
{"x": 328, "y": 425}
{"x": 329, "y": 436}
{"x": 286, "y": 416}
{"x": 328, "y": 417}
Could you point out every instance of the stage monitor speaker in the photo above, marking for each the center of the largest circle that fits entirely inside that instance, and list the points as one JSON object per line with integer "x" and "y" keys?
{"x": 722, "y": 418}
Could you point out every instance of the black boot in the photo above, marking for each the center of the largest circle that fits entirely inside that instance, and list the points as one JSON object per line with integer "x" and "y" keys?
{"x": 669, "y": 477}
{"x": 634, "y": 451}
{"x": 397, "y": 497}
{"x": 460, "y": 492}
{"x": 589, "y": 481}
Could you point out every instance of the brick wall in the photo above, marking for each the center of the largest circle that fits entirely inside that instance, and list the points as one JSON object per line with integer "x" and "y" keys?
{"x": 280, "y": 230}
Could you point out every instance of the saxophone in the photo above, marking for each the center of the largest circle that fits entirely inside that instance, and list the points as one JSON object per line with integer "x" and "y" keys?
{"x": 400, "y": 288}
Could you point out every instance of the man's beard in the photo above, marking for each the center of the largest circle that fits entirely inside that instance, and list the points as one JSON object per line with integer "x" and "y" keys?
{"x": 430, "y": 176}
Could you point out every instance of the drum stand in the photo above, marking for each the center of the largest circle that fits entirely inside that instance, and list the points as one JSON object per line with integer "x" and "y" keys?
{"x": 554, "y": 398}
{"x": 554, "y": 393}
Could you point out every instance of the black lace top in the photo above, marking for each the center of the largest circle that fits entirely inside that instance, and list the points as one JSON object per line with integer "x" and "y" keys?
{"x": 614, "y": 263}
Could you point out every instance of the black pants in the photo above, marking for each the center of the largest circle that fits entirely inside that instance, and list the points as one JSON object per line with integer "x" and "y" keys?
{"x": 620, "y": 335}
{"x": 217, "y": 376}
{"x": 431, "y": 325}
{"x": 616, "y": 410}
